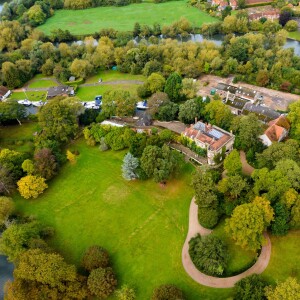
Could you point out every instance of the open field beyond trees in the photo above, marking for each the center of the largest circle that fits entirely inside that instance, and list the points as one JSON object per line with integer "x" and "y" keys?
{"x": 114, "y": 76}
{"x": 89, "y": 93}
{"x": 92, "y": 20}
{"x": 142, "y": 225}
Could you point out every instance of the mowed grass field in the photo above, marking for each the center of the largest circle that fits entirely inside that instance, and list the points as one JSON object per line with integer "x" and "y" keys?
{"x": 123, "y": 18}
{"x": 30, "y": 95}
{"x": 88, "y": 93}
{"x": 142, "y": 225}
{"x": 285, "y": 260}
{"x": 114, "y": 76}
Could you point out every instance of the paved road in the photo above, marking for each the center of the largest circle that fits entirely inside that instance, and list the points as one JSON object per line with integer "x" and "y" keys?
{"x": 215, "y": 282}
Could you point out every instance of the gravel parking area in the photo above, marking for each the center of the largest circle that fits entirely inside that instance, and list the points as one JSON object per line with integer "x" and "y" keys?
{"x": 274, "y": 99}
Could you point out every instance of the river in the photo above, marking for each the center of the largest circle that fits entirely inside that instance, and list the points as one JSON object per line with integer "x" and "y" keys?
{"x": 6, "y": 273}
{"x": 217, "y": 39}
{"x": 1, "y": 4}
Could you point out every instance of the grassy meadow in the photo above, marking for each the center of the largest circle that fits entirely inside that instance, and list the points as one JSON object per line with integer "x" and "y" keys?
{"x": 88, "y": 93}
{"x": 114, "y": 76}
{"x": 141, "y": 224}
{"x": 123, "y": 18}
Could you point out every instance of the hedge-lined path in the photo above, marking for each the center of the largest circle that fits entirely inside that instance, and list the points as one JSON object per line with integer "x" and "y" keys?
{"x": 216, "y": 282}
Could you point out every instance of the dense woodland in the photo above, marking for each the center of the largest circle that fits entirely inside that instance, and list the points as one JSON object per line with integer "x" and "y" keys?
{"x": 254, "y": 58}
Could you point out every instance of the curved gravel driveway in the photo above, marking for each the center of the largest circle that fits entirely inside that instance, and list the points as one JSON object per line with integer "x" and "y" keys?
{"x": 215, "y": 282}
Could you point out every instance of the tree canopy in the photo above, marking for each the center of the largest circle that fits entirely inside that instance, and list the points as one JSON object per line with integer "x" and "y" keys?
{"x": 58, "y": 119}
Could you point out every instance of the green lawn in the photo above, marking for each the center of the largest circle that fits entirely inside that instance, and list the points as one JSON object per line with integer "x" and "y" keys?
{"x": 285, "y": 260}
{"x": 114, "y": 76}
{"x": 42, "y": 83}
{"x": 32, "y": 96}
{"x": 141, "y": 224}
{"x": 239, "y": 259}
{"x": 123, "y": 18}
{"x": 294, "y": 35}
{"x": 88, "y": 93}
{"x": 16, "y": 137}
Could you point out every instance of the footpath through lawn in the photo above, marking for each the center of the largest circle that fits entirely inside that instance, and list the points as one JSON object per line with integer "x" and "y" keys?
{"x": 142, "y": 225}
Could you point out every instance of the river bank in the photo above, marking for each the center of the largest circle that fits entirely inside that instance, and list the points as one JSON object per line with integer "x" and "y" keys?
{"x": 6, "y": 273}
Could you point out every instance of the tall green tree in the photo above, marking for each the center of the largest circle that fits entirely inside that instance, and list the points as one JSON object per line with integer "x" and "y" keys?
{"x": 250, "y": 288}
{"x": 209, "y": 254}
{"x": 247, "y": 128}
{"x": 118, "y": 103}
{"x": 217, "y": 113}
{"x": 247, "y": 223}
{"x": 294, "y": 118}
{"x": 130, "y": 164}
{"x": 278, "y": 151}
{"x": 173, "y": 87}
{"x": 205, "y": 191}
{"x": 232, "y": 163}
{"x": 11, "y": 110}
{"x": 189, "y": 111}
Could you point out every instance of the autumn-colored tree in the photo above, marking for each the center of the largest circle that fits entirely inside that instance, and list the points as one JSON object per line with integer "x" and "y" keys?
{"x": 81, "y": 68}
{"x": 28, "y": 166}
{"x": 45, "y": 163}
{"x": 31, "y": 186}
{"x": 71, "y": 157}
{"x": 248, "y": 222}
{"x": 287, "y": 290}
{"x": 6, "y": 208}
{"x": 102, "y": 282}
{"x": 95, "y": 257}
{"x": 38, "y": 266}
{"x": 167, "y": 291}
{"x": 125, "y": 293}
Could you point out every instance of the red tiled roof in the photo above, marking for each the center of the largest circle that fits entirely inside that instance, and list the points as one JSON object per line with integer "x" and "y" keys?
{"x": 281, "y": 121}
{"x": 276, "y": 128}
{"x": 203, "y": 137}
{"x": 3, "y": 90}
